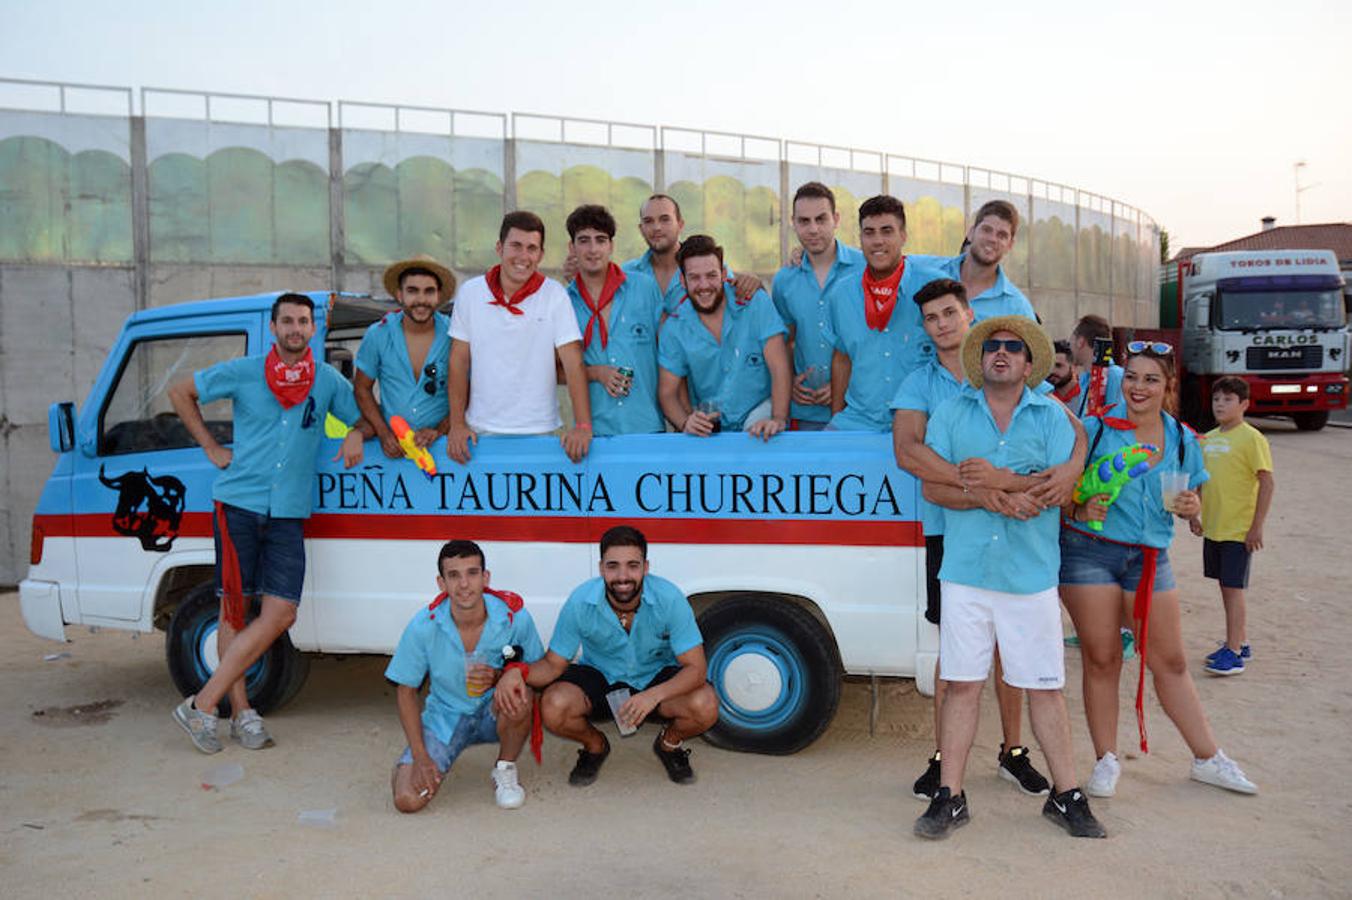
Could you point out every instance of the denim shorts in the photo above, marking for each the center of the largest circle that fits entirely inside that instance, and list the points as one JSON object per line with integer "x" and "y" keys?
{"x": 479, "y": 727}
{"x": 271, "y": 553}
{"x": 1091, "y": 560}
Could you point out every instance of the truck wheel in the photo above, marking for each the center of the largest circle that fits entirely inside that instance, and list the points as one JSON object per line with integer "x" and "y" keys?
{"x": 1311, "y": 421}
{"x": 190, "y": 648}
{"x": 776, "y": 672}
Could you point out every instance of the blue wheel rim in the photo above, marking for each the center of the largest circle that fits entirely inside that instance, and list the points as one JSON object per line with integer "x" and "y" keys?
{"x": 773, "y": 645}
{"x": 203, "y": 634}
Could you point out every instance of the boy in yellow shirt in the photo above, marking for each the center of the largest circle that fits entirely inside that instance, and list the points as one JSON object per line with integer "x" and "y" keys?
{"x": 1234, "y": 506}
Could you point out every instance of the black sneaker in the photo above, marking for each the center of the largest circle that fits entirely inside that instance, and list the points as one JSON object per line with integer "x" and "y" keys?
{"x": 927, "y": 784}
{"x": 1016, "y": 767}
{"x": 1070, "y": 810}
{"x": 945, "y": 813}
{"x": 676, "y": 762}
{"x": 587, "y": 767}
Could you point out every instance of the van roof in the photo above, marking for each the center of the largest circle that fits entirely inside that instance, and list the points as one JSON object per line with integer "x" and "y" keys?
{"x": 370, "y": 308}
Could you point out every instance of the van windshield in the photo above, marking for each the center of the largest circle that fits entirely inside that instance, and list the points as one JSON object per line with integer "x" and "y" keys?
{"x": 1237, "y": 311}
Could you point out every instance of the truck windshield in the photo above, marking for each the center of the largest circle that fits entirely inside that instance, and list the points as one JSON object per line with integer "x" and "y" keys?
{"x": 1279, "y": 309}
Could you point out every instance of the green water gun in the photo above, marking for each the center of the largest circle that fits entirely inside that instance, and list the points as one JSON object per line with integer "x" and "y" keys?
{"x": 1110, "y": 473}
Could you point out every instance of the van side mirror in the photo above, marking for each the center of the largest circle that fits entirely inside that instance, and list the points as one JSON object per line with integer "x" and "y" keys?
{"x": 61, "y": 427}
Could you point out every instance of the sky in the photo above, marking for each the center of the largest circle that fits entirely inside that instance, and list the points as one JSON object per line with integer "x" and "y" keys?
{"x": 1194, "y": 112}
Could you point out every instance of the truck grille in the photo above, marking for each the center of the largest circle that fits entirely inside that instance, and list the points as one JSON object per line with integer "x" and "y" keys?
{"x": 1259, "y": 358}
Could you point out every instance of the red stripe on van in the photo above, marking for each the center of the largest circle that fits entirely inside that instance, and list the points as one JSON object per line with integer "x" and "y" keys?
{"x": 544, "y": 529}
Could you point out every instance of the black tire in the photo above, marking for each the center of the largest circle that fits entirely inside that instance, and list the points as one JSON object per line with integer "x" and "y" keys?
{"x": 1195, "y": 407}
{"x": 768, "y": 639}
{"x": 1311, "y": 421}
{"x": 272, "y": 681}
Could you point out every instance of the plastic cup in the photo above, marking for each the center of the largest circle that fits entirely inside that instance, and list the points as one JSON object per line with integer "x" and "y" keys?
{"x": 616, "y": 699}
{"x": 712, "y": 410}
{"x": 817, "y": 378}
{"x": 1172, "y": 483}
{"x": 478, "y": 662}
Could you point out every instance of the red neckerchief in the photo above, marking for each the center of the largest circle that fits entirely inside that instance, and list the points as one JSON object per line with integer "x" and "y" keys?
{"x": 614, "y": 278}
{"x": 289, "y": 384}
{"x": 514, "y": 605}
{"x": 513, "y": 306}
{"x": 880, "y": 296}
{"x": 1072, "y": 394}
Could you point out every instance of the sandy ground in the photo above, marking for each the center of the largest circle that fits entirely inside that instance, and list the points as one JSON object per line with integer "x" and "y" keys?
{"x": 107, "y": 801}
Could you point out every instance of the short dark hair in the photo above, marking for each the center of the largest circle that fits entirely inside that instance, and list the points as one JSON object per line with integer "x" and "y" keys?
{"x": 624, "y": 536}
{"x": 522, "y": 220}
{"x": 1062, "y": 346}
{"x": 698, "y": 245}
{"x": 459, "y": 550}
{"x": 295, "y": 299}
{"x": 882, "y": 205}
{"x": 814, "y": 189}
{"x": 660, "y": 196}
{"x": 941, "y": 287}
{"x": 1231, "y": 384}
{"x": 1001, "y": 209}
{"x": 1090, "y": 327}
{"x": 590, "y": 215}
{"x": 419, "y": 270}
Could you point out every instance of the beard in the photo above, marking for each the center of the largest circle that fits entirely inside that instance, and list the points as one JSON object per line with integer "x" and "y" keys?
{"x": 711, "y": 308}
{"x": 1058, "y": 383}
{"x": 624, "y": 593}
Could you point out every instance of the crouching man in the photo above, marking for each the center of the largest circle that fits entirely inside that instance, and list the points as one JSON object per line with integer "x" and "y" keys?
{"x": 458, "y": 644}
{"x": 636, "y": 631}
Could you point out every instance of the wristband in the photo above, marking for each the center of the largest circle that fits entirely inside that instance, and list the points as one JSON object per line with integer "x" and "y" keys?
{"x": 586, "y": 425}
{"x": 525, "y": 669}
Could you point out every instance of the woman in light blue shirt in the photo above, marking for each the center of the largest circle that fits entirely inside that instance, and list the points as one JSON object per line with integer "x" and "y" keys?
{"x": 1126, "y": 565}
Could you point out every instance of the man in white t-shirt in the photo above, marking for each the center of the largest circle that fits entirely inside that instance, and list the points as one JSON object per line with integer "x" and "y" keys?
{"x": 506, "y": 328}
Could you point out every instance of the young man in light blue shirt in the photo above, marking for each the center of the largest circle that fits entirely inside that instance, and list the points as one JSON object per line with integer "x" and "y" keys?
{"x": 262, "y": 498}
{"x": 459, "y": 645}
{"x": 872, "y": 323}
{"x": 715, "y": 350}
{"x": 990, "y": 239}
{"x": 1107, "y": 401}
{"x": 635, "y": 632}
{"x": 1001, "y": 565}
{"x": 618, "y": 314}
{"x": 407, "y": 353}
{"x": 800, "y": 292}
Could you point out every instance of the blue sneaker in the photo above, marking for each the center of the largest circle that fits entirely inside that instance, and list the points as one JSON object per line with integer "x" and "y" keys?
{"x": 1128, "y": 645}
{"x": 1244, "y": 652}
{"x": 1226, "y": 662}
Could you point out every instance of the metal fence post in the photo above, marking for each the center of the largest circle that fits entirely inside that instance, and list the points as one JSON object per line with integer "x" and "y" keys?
{"x": 140, "y": 211}
{"x": 337, "y": 212}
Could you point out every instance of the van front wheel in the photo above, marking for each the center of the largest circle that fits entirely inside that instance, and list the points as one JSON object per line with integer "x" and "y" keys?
{"x": 190, "y": 649}
{"x": 775, "y": 671}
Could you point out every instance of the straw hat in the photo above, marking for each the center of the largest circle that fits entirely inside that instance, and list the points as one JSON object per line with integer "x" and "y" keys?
{"x": 1034, "y": 338}
{"x": 422, "y": 261}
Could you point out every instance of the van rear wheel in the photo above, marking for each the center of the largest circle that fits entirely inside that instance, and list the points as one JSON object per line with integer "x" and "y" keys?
{"x": 190, "y": 650}
{"x": 776, "y": 673}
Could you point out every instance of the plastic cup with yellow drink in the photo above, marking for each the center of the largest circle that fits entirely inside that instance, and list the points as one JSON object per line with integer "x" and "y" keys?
{"x": 479, "y": 672}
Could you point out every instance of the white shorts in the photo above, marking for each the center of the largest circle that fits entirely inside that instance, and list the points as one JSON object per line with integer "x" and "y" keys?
{"x": 1026, "y": 626}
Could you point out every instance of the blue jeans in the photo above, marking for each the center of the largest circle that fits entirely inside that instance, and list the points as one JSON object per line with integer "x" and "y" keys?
{"x": 477, "y": 728}
{"x": 271, "y": 553}
{"x": 1091, "y": 560}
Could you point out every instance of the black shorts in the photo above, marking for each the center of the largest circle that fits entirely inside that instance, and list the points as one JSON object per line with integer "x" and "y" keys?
{"x": 1227, "y": 562}
{"x": 934, "y": 558}
{"x": 594, "y": 685}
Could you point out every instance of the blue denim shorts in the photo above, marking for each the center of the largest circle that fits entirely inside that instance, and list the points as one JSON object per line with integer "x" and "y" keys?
{"x": 478, "y": 728}
{"x": 271, "y": 553}
{"x": 1090, "y": 560}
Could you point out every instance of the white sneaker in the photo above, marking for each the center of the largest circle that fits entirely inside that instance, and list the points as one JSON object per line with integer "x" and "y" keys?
{"x": 1103, "y": 782}
{"x": 506, "y": 789}
{"x": 1222, "y": 772}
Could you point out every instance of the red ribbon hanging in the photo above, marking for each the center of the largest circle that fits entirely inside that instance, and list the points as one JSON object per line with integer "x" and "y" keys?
{"x": 232, "y": 589}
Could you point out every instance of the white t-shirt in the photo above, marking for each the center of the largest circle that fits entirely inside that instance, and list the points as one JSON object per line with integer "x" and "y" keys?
{"x": 512, "y": 381}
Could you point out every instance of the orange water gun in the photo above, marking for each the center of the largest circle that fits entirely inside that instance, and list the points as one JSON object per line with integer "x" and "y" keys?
{"x": 421, "y": 458}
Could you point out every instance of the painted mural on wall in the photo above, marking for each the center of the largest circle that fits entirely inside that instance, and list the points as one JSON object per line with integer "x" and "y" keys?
{"x": 241, "y": 195}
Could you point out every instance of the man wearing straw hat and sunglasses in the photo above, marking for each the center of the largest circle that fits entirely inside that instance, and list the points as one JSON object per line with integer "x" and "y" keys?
{"x": 1000, "y": 570}
{"x": 407, "y": 352}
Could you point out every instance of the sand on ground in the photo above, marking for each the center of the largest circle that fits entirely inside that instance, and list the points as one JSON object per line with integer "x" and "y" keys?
{"x": 100, "y": 794}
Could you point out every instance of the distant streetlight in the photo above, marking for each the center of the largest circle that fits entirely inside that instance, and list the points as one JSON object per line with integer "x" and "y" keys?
{"x": 1300, "y": 188}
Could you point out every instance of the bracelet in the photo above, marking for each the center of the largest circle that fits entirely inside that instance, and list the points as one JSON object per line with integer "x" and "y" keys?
{"x": 586, "y": 425}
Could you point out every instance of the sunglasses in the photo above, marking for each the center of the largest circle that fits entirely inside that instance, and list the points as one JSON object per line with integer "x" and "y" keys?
{"x": 1155, "y": 348}
{"x": 1013, "y": 345}
{"x": 430, "y": 373}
